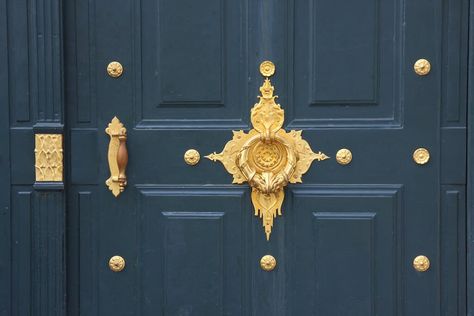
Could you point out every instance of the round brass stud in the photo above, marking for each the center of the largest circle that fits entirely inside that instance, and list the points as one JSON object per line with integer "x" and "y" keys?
{"x": 114, "y": 69}
{"x": 344, "y": 156}
{"x": 267, "y": 68}
{"x": 117, "y": 263}
{"x": 422, "y": 67}
{"x": 421, "y": 156}
{"x": 421, "y": 263}
{"x": 268, "y": 263}
{"x": 192, "y": 157}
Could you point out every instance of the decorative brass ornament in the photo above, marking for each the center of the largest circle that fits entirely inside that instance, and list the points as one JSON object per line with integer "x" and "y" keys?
{"x": 268, "y": 263}
{"x": 49, "y": 157}
{"x": 117, "y": 156}
{"x": 192, "y": 157}
{"x": 117, "y": 263}
{"x": 267, "y": 157}
{"x": 267, "y": 68}
{"x": 343, "y": 156}
{"x": 421, "y": 156}
{"x": 421, "y": 263}
{"x": 422, "y": 67}
{"x": 114, "y": 69}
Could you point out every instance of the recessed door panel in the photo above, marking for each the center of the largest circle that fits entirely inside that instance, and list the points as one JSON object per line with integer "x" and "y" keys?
{"x": 350, "y": 258}
{"x": 191, "y": 250}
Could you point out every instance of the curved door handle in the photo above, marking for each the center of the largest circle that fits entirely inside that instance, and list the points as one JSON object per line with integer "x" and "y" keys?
{"x": 267, "y": 157}
{"x": 117, "y": 156}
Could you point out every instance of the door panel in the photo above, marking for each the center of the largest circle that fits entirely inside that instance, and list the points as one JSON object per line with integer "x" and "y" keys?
{"x": 190, "y": 66}
{"x": 192, "y": 245}
{"x": 346, "y": 249}
{"x": 191, "y": 250}
{"x": 348, "y": 63}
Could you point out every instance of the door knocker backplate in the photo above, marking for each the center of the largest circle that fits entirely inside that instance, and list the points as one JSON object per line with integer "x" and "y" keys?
{"x": 267, "y": 157}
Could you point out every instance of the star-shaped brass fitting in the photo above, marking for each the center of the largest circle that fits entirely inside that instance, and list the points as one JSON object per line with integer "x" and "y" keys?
{"x": 267, "y": 157}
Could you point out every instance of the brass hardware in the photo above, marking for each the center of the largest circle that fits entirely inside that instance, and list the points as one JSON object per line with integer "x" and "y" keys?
{"x": 192, "y": 157}
{"x": 117, "y": 263}
{"x": 421, "y": 156}
{"x": 267, "y": 68}
{"x": 422, "y": 67}
{"x": 117, "y": 156}
{"x": 114, "y": 69}
{"x": 49, "y": 157}
{"x": 421, "y": 263}
{"x": 344, "y": 156}
{"x": 268, "y": 263}
{"x": 267, "y": 157}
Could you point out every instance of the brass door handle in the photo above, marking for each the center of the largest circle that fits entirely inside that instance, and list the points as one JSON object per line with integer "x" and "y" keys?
{"x": 117, "y": 156}
{"x": 267, "y": 157}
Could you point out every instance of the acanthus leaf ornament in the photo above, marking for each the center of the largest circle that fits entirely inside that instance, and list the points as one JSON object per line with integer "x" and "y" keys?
{"x": 267, "y": 157}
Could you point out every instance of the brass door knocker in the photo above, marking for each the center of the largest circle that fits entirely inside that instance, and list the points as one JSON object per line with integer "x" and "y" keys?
{"x": 267, "y": 157}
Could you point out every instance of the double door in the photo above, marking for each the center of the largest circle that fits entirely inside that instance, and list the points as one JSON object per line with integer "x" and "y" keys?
{"x": 361, "y": 213}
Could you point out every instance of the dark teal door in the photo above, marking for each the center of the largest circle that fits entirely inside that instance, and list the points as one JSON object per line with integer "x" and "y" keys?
{"x": 348, "y": 236}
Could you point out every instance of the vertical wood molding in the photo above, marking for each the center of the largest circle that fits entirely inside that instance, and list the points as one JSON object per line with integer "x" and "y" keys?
{"x": 48, "y": 264}
{"x": 48, "y": 255}
{"x": 46, "y": 49}
{"x": 5, "y": 207}
{"x": 470, "y": 167}
{"x": 41, "y": 85}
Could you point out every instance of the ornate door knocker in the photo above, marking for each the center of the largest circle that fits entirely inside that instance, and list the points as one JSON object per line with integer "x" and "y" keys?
{"x": 267, "y": 157}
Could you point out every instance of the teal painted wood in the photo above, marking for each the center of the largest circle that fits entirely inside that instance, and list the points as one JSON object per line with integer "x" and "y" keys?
{"x": 348, "y": 234}
{"x": 33, "y": 102}
{"x": 470, "y": 169}
{"x": 5, "y": 206}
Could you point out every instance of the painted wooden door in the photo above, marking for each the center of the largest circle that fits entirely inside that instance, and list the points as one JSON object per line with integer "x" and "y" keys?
{"x": 348, "y": 235}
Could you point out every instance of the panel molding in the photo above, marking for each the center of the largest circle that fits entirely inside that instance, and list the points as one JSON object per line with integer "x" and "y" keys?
{"x": 393, "y": 194}
{"x": 180, "y": 208}
{"x": 356, "y": 217}
{"x": 223, "y": 112}
{"x": 183, "y": 103}
{"x": 452, "y": 259}
{"x": 385, "y": 113}
{"x": 313, "y": 100}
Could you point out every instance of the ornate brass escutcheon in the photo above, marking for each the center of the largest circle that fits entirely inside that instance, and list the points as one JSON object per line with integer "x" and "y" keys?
{"x": 267, "y": 157}
{"x": 421, "y": 263}
{"x": 268, "y": 263}
{"x": 49, "y": 157}
{"x": 117, "y": 263}
{"x": 117, "y": 156}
